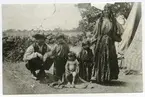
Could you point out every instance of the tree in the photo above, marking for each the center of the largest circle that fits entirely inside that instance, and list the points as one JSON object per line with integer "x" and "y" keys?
{"x": 123, "y": 8}
{"x": 90, "y": 14}
{"x": 57, "y": 29}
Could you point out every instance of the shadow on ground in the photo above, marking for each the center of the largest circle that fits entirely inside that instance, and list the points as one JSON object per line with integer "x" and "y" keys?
{"x": 115, "y": 83}
{"x": 17, "y": 80}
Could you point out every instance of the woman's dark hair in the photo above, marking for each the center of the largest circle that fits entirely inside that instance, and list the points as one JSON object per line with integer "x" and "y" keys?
{"x": 108, "y": 10}
{"x": 72, "y": 54}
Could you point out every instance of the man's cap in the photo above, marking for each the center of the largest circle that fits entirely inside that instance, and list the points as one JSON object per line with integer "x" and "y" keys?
{"x": 39, "y": 36}
{"x": 61, "y": 36}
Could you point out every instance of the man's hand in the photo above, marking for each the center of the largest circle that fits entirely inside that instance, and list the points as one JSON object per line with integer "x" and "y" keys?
{"x": 39, "y": 55}
{"x": 93, "y": 40}
{"x": 45, "y": 57}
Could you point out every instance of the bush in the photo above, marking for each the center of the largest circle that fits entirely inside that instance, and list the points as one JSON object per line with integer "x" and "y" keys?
{"x": 14, "y": 46}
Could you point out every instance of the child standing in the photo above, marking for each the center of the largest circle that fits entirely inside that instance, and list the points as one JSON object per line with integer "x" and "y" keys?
{"x": 86, "y": 60}
{"x": 71, "y": 69}
{"x": 60, "y": 54}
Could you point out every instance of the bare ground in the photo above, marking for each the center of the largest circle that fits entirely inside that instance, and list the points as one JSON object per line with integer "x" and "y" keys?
{"x": 17, "y": 80}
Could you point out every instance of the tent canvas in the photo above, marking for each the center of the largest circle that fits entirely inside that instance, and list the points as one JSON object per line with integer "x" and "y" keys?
{"x": 131, "y": 44}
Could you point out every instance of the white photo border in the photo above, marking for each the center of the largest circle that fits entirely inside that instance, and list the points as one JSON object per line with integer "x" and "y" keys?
{"x": 72, "y": 1}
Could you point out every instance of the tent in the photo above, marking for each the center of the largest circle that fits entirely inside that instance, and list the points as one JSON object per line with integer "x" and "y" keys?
{"x": 131, "y": 44}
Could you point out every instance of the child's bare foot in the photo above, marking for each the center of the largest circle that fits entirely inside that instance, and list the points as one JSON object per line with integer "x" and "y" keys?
{"x": 90, "y": 82}
{"x": 72, "y": 85}
{"x": 68, "y": 85}
{"x": 59, "y": 81}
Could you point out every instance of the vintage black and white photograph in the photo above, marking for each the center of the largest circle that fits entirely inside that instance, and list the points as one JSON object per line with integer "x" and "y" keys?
{"x": 72, "y": 48}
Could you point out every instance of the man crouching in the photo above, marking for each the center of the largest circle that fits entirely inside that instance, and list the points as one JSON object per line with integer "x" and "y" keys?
{"x": 71, "y": 69}
{"x": 36, "y": 57}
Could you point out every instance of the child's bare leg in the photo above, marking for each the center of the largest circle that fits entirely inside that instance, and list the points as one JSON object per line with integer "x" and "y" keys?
{"x": 68, "y": 78}
{"x": 74, "y": 78}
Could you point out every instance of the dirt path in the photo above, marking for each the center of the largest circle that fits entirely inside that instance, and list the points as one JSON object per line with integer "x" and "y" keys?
{"x": 17, "y": 80}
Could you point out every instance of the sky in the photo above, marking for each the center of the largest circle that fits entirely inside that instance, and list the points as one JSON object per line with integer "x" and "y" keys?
{"x": 100, "y": 5}
{"x": 31, "y": 16}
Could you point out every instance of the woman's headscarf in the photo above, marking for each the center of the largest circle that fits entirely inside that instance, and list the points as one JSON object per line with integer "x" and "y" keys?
{"x": 107, "y": 10}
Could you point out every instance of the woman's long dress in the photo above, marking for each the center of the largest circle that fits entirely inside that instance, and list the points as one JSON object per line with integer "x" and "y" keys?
{"x": 105, "y": 59}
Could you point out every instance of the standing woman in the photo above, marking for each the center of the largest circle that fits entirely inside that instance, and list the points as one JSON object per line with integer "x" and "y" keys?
{"x": 105, "y": 58}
